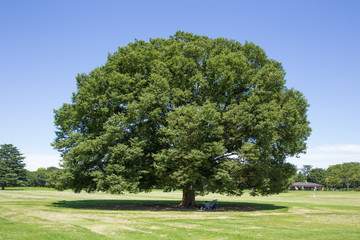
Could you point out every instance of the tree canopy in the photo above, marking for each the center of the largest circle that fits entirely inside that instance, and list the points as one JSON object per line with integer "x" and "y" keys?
{"x": 317, "y": 175}
{"x": 12, "y": 172}
{"x": 345, "y": 173}
{"x": 189, "y": 112}
{"x": 306, "y": 169}
{"x": 43, "y": 177}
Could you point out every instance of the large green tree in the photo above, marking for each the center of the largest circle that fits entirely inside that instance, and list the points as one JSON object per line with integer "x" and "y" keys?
{"x": 189, "y": 112}
{"x": 12, "y": 172}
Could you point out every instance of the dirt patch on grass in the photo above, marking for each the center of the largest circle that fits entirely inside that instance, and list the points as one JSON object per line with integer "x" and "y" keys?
{"x": 306, "y": 211}
{"x": 265, "y": 214}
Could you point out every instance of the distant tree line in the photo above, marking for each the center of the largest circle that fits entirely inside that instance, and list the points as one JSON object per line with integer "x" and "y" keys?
{"x": 13, "y": 173}
{"x": 43, "y": 177}
{"x": 339, "y": 176}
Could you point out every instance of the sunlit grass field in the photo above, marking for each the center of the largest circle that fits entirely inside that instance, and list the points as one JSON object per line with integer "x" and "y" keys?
{"x": 47, "y": 214}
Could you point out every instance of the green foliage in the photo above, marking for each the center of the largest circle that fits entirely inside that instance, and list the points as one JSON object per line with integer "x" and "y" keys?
{"x": 305, "y": 170}
{"x": 187, "y": 112}
{"x": 36, "y": 178}
{"x": 52, "y": 177}
{"x": 317, "y": 175}
{"x": 346, "y": 173}
{"x": 12, "y": 172}
{"x": 299, "y": 177}
{"x": 58, "y": 178}
{"x": 301, "y": 174}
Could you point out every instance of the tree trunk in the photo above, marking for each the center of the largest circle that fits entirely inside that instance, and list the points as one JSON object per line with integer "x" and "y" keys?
{"x": 188, "y": 199}
{"x": 2, "y": 187}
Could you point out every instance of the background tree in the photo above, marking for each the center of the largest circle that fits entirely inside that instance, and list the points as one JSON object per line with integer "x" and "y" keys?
{"x": 12, "y": 172}
{"x": 58, "y": 178}
{"x": 189, "y": 112}
{"x": 333, "y": 179}
{"x": 346, "y": 173}
{"x": 317, "y": 175}
{"x": 299, "y": 177}
{"x": 301, "y": 174}
{"x": 40, "y": 177}
{"x": 37, "y": 178}
{"x": 305, "y": 170}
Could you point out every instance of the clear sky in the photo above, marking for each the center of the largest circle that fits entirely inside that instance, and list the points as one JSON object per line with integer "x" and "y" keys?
{"x": 45, "y": 44}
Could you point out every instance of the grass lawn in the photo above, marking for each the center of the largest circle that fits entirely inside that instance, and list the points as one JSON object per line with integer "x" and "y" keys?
{"x": 45, "y": 214}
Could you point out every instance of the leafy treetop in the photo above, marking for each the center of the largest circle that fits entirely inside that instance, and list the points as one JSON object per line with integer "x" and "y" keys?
{"x": 188, "y": 112}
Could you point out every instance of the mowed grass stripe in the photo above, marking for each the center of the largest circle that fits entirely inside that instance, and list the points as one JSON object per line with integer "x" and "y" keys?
{"x": 19, "y": 230}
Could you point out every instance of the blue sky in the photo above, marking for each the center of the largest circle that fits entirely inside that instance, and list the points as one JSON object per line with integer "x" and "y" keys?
{"x": 45, "y": 44}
